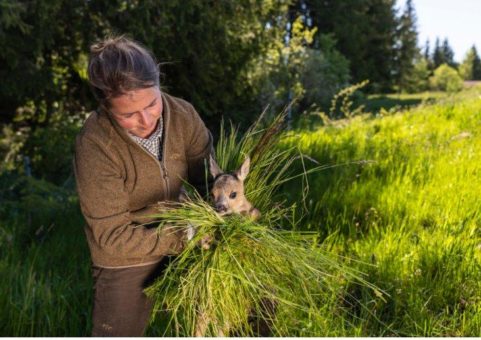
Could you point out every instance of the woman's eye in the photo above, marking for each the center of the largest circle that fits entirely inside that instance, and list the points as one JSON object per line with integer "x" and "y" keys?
{"x": 233, "y": 195}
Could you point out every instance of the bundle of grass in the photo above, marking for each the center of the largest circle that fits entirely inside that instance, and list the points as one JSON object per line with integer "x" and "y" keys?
{"x": 255, "y": 276}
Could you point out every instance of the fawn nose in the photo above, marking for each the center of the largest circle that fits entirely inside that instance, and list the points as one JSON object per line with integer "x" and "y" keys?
{"x": 219, "y": 207}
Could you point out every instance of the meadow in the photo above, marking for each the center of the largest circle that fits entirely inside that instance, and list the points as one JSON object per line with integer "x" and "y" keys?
{"x": 400, "y": 200}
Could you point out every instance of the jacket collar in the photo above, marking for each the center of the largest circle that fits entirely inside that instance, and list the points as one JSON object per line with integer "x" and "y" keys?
{"x": 166, "y": 111}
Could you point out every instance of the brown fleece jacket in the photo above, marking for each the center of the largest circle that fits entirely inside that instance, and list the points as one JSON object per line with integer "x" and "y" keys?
{"x": 119, "y": 182}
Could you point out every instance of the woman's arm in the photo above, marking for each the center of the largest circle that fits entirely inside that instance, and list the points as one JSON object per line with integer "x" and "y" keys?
{"x": 104, "y": 204}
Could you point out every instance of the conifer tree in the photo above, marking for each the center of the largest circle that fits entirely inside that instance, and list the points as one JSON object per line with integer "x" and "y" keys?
{"x": 427, "y": 51}
{"x": 470, "y": 68}
{"x": 443, "y": 54}
{"x": 365, "y": 32}
{"x": 438, "y": 55}
{"x": 407, "y": 49}
{"x": 448, "y": 53}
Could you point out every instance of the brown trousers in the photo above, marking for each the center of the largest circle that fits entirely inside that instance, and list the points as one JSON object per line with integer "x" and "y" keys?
{"x": 120, "y": 306}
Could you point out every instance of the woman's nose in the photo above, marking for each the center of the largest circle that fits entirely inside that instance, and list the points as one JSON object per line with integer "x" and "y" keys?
{"x": 146, "y": 118}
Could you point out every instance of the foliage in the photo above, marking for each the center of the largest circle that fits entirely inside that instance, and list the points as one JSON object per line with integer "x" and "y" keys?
{"x": 44, "y": 151}
{"x": 39, "y": 59}
{"x": 325, "y": 71}
{"x": 418, "y": 79}
{"x": 446, "y": 78}
{"x": 341, "y": 103}
{"x": 365, "y": 33}
{"x": 406, "y": 50}
{"x": 470, "y": 68}
{"x": 204, "y": 49}
{"x": 442, "y": 54}
{"x": 34, "y": 204}
{"x": 277, "y": 73}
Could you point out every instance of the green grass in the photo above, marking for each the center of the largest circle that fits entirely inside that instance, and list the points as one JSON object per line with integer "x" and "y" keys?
{"x": 413, "y": 211}
{"x": 395, "y": 101}
{"x": 45, "y": 286}
{"x": 402, "y": 196}
{"x": 252, "y": 264}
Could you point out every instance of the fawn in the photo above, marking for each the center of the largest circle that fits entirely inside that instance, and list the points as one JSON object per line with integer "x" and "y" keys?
{"x": 228, "y": 190}
{"x": 228, "y": 196}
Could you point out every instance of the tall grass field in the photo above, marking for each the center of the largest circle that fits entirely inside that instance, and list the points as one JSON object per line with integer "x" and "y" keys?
{"x": 399, "y": 200}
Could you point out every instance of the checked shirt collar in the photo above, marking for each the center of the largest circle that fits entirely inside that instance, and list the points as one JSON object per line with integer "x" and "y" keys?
{"x": 153, "y": 142}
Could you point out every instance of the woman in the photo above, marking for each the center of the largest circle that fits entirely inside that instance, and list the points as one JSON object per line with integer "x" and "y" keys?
{"x": 132, "y": 153}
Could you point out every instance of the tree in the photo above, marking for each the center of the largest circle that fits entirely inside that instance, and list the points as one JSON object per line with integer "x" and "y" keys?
{"x": 297, "y": 67}
{"x": 427, "y": 50}
{"x": 365, "y": 34}
{"x": 438, "y": 56}
{"x": 324, "y": 73}
{"x": 406, "y": 48}
{"x": 206, "y": 49}
{"x": 418, "y": 79}
{"x": 428, "y": 56}
{"x": 443, "y": 54}
{"x": 470, "y": 68}
{"x": 448, "y": 53}
{"x": 41, "y": 41}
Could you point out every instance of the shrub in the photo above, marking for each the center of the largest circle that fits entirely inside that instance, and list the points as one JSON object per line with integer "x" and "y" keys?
{"x": 325, "y": 71}
{"x": 446, "y": 78}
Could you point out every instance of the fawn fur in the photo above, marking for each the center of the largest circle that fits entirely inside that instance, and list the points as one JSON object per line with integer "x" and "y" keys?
{"x": 228, "y": 190}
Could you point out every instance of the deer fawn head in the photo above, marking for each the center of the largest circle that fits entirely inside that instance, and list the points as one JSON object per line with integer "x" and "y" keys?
{"x": 228, "y": 190}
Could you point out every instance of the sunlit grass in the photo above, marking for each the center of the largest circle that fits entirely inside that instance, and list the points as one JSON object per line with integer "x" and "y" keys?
{"x": 414, "y": 212}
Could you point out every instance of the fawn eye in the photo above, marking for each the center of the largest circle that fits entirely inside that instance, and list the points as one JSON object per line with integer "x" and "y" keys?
{"x": 232, "y": 195}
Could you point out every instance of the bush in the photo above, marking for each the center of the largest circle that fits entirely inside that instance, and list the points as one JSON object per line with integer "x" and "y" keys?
{"x": 43, "y": 149}
{"x": 311, "y": 76}
{"x": 446, "y": 78}
{"x": 324, "y": 73}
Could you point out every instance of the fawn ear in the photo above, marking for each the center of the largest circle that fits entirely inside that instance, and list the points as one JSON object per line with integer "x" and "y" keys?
{"x": 244, "y": 169}
{"x": 214, "y": 168}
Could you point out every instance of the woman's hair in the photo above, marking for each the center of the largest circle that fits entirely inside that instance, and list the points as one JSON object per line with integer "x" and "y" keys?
{"x": 117, "y": 65}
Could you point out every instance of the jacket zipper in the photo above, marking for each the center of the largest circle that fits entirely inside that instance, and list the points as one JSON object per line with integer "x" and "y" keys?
{"x": 162, "y": 163}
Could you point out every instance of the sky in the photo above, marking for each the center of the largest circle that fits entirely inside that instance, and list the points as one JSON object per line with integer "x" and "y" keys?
{"x": 457, "y": 20}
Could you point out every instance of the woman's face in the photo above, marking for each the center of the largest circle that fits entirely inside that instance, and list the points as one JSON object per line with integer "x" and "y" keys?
{"x": 138, "y": 111}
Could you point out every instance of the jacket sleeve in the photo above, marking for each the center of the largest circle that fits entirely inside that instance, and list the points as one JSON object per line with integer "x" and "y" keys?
{"x": 199, "y": 147}
{"x": 144, "y": 215}
{"x": 104, "y": 204}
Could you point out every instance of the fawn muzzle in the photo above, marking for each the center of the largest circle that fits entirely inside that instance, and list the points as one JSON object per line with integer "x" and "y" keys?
{"x": 220, "y": 208}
